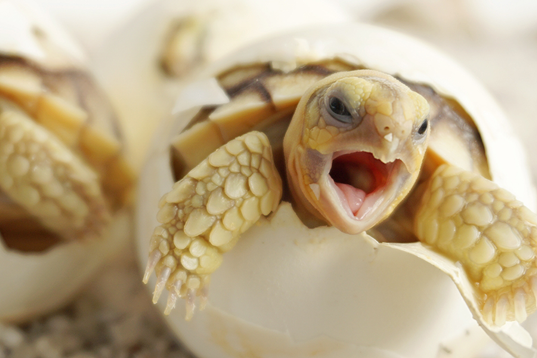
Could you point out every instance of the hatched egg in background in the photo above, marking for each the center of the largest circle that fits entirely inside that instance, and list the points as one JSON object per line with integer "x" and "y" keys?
{"x": 49, "y": 275}
{"x": 37, "y": 282}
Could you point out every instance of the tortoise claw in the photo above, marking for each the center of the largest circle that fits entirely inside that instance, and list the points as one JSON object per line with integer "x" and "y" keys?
{"x": 154, "y": 258}
{"x": 162, "y": 278}
{"x": 170, "y": 304}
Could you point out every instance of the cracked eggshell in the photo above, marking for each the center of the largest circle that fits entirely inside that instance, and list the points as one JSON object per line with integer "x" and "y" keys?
{"x": 289, "y": 291}
{"x": 34, "y": 283}
{"x": 136, "y": 49}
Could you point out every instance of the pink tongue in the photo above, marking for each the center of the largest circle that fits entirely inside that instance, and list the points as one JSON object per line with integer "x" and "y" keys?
{"x": 353, "y": 196}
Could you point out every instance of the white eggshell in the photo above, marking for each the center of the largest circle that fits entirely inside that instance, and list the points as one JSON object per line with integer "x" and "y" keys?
{"x": 288, "y": 291}
{"x": 20, "y": 25}
{"x": 34, "y": 283}
{"x": 80, "y": 17}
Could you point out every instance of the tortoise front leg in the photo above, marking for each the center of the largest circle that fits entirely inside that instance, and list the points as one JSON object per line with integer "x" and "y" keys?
{"x": 42, "y": 175}
{"x": 490, "y": 233}
{"x": 204, "y": 214}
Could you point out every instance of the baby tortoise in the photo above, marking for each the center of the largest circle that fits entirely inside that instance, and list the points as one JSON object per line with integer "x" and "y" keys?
{"x": 362, "y": 151}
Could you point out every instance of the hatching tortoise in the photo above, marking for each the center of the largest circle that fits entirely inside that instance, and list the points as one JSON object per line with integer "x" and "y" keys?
{"x": 353, "y": 142}
{"x": 63, "y": 173}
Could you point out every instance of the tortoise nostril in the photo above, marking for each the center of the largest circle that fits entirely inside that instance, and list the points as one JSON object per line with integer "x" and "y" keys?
{"x": 383, "y": 124}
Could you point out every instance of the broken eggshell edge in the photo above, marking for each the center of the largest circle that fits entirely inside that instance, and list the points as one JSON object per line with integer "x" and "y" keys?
{"x": 35, "y": 283}
{"x": 28, "y": 32}
{"x": 258, "y": 282}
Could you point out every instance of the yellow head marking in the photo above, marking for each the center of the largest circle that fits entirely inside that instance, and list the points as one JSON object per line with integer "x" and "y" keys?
{"x": 421, "y": 107}
{"x": 356, "y": 90}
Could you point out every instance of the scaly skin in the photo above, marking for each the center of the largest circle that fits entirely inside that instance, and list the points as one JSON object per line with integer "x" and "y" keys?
{"x": 42, "y": 175}
{"x": 205, "y": 213}
{"x": 492, "y": 234}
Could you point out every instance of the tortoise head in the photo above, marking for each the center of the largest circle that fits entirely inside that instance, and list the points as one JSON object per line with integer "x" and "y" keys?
{"x": 354, "y": 147}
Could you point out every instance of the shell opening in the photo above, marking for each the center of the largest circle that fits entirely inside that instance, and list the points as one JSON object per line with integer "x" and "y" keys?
{"x": 26, "y": 234}
{"x": 22, "y": 232}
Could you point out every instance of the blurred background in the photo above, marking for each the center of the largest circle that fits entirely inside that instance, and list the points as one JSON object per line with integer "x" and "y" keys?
{"x": 496, "y": 40}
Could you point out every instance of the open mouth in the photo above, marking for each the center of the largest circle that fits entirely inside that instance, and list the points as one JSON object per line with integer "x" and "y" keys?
{"x": 360, "y": 181}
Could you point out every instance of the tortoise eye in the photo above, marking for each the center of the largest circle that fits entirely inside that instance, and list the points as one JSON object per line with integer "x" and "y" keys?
{"x": 423, "y": 127}
{"x": 338, "y": 110}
